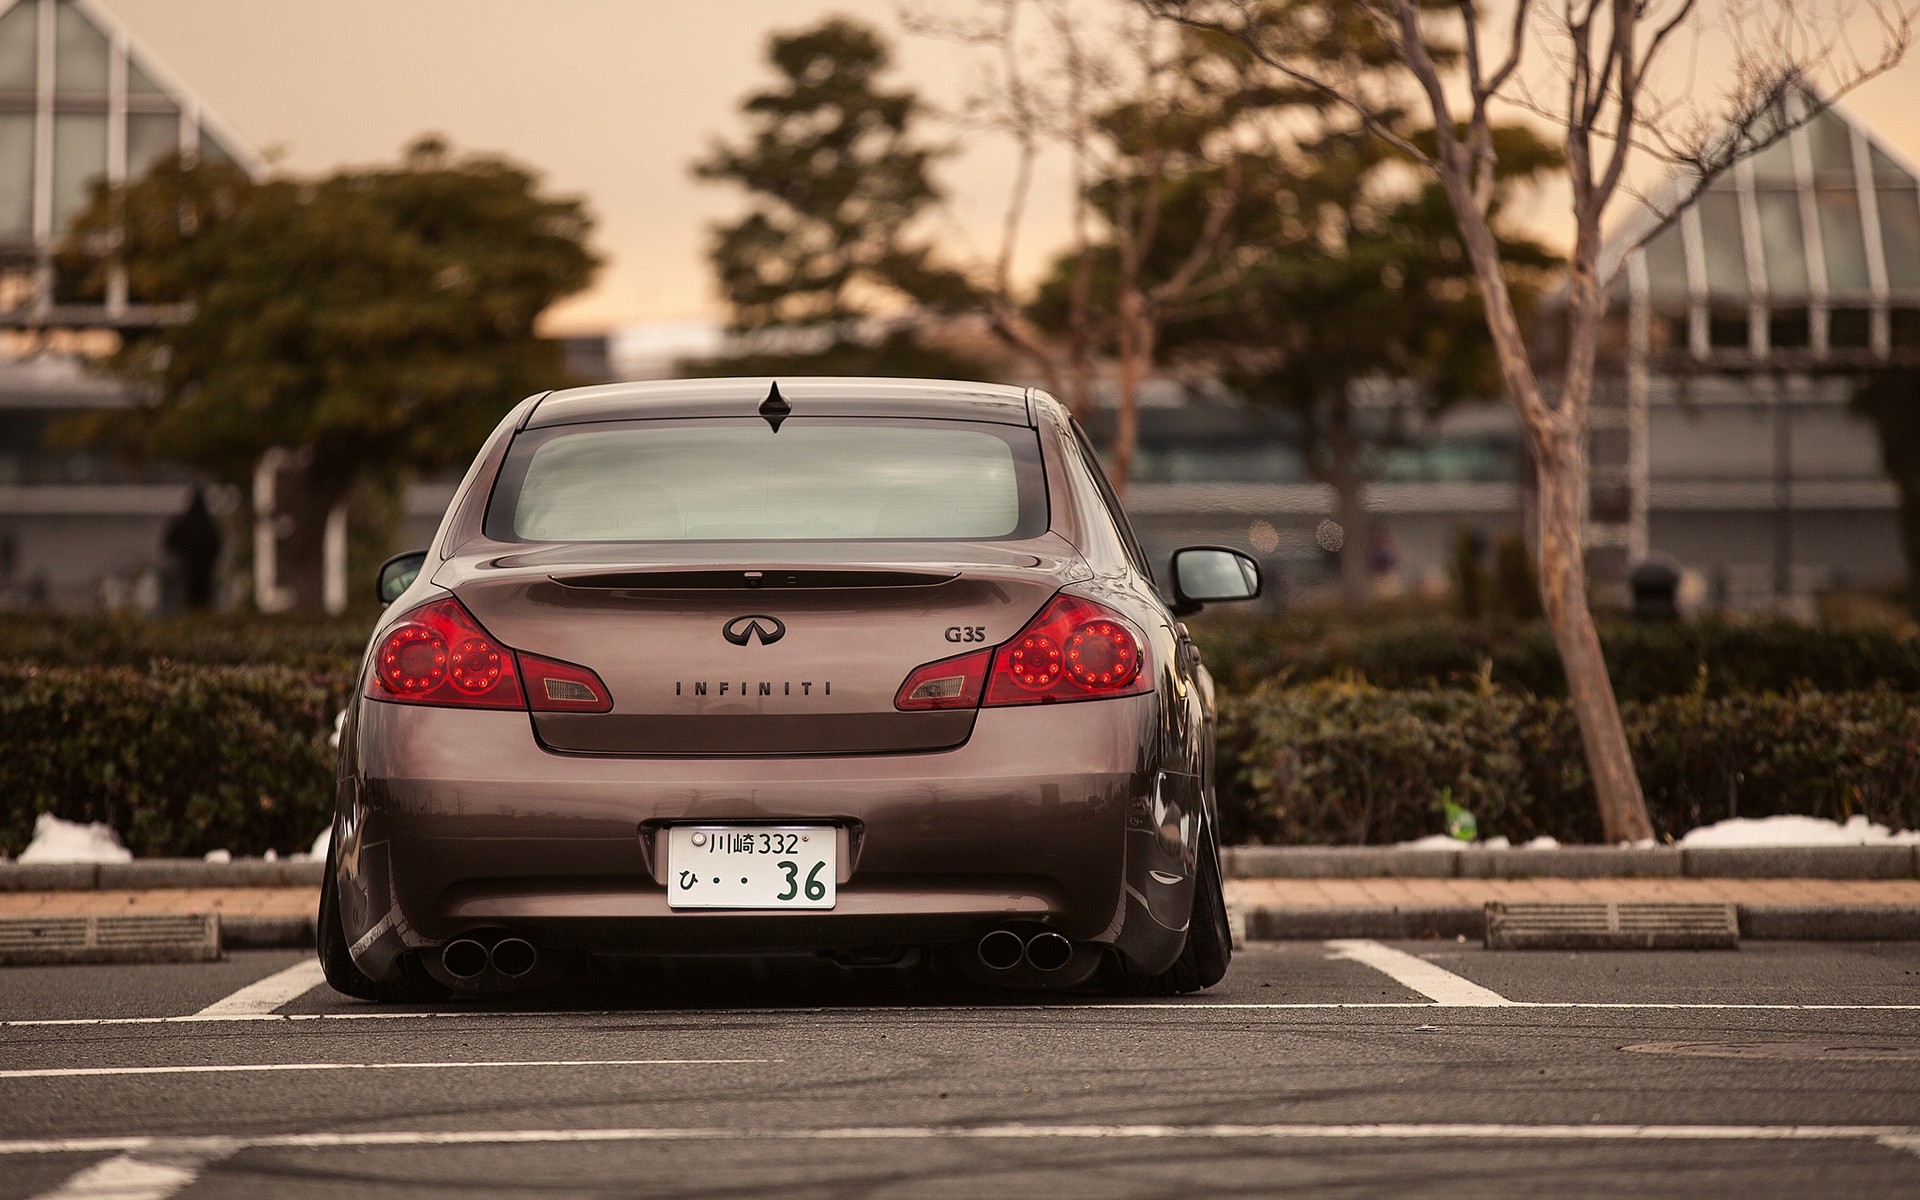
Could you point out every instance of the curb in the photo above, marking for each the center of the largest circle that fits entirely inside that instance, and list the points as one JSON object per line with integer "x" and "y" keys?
{"x": 1574, "y": 862}
{"x": 143, "y": 874}
{"x": 1242, "y": 862}
{"x": 267, "y": 933}
{"x": 1758, "y": 922}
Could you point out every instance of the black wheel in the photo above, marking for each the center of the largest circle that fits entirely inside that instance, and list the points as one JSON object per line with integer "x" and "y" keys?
{"x": 413, "y": 986}
{"x": 1203, "y": 960}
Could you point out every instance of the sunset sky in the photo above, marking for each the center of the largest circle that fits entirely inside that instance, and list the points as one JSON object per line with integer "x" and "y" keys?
{"x": 609, "y": 99}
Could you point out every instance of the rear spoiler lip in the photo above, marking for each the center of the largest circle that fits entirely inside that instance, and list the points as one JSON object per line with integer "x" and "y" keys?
{"x": 710, "y": 579}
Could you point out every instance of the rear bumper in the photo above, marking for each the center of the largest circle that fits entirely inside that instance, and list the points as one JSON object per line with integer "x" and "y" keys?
{"x": 456, "y": 819}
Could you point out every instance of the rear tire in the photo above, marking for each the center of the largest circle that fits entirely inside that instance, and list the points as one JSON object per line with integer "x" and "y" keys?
{"x": 1203, "y": 960}
{"x": 411, "y": 986}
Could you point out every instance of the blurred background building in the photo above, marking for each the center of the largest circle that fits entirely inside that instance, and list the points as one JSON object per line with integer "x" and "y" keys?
{"x": 1723, "y": 437}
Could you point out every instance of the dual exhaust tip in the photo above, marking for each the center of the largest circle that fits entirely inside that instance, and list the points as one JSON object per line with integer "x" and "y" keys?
{"x": 466, "y": 958}
{"x": 1003, "y": 950}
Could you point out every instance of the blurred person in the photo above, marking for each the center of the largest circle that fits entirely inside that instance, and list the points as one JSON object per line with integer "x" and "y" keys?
{"x": 192, "y": 542}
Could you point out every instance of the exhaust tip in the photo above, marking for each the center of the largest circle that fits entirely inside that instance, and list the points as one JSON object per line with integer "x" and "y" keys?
{"x": 464, "y": 958}
{"x": 1049, "y": 951}
{"x": 514, "y": 957}
{"x": 1000, "y": 950}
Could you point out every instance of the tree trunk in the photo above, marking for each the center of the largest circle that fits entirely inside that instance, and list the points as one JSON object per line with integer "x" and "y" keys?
{"x": 1135, "y": 354}
{"x": 1558, "y": 438}
{"x": 1563, "y": 593}
{"x": 1350, "y": 508}
{"x": 306, "y": 489}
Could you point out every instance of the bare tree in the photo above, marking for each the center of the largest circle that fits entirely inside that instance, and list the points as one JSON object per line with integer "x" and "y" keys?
{"x": 1146, "y": 119}
{"x": 1609, "y": 104}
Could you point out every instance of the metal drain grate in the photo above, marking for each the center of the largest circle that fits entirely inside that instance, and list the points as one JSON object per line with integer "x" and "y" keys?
{"x": 1611, "y": 925}
{"x": 186, "y": 937}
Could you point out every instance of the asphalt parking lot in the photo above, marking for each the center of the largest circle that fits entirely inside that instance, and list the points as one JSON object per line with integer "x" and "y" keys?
{"x": 1348, "y": 1068}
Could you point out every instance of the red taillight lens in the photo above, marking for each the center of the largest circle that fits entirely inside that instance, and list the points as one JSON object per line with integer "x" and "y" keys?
{"x": 555, "y": 686}
{"x": 438, "y": 654}
{"x": 1074, "y": 650}
{"x": 950, "y": 683}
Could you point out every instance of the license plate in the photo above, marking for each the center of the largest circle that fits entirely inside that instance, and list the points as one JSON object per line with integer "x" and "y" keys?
{"x": 751, "y": 866}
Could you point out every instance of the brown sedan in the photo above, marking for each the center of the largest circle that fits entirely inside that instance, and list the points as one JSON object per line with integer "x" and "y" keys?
{"x": 866, "y": 668}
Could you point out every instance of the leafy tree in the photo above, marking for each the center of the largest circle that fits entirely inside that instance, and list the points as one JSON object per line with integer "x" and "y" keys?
{"x": 1362, "y": 278}
{"x": 838, "y": 179}
{"x": 1607, "y": 101}
{"x": 373, "y": 322}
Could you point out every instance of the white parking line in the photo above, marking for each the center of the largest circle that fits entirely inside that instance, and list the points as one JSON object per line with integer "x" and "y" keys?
{"x": 1409, "y": 970}
{"x": 863, "y": 1012}
{"x": 153, "y": 1172}
{"x": 245, "y": 1068}
{"x": 262, "y": 998}
{"x": 1899, "y": 1137}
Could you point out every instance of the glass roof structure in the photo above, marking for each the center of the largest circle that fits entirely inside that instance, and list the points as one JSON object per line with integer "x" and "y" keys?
{"x": 79, "y": 101}
{"x": 1807, "y": 253}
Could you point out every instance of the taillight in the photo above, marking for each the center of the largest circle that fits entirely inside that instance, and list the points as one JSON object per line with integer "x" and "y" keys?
{"x": 555, "y": 686}
{"x": 1075, "y": 649}
{"x": 950, "y": 683}
{"x": 438, "y": 654}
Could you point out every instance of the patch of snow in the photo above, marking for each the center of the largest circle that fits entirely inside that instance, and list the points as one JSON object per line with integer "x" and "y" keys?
{"x": 219, "y": 856}
{"x": 57, "y": 841}
{"x": 1543, "y": 842}
{"x": 1493, "y": 843}
{"x": 1791, "y": 830}
{"x": 1433, "y": 841}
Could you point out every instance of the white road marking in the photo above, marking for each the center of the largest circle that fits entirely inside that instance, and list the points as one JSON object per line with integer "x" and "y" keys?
{"x": 262, "y": 998}
{"x": 150, "y": 1172}
{"x": 243, "y": 1068}
{"x": 1899, "y": 1137}
{"x": 997, "y": 1010}
{"x": 1412, "y": 971}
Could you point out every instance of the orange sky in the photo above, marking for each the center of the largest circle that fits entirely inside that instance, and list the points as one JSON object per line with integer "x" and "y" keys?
{"x": 609, "y": 98}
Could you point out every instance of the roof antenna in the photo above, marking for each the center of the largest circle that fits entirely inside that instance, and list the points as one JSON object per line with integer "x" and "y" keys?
{"x": 775, "y": 407}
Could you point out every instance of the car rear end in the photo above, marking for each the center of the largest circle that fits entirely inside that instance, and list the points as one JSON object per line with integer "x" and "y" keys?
{"x": 692, "y": 676}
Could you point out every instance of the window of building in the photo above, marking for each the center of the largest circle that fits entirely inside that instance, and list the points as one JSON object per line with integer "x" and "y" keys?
{"x": 1850, "y": 329}
{"x": 1727, "y": 329}
{"x": 1843, "y": 239}
{"x": 1900, "y": 229}
{"x": 1789, "y": 329}
{"x": 1726, "y": 252}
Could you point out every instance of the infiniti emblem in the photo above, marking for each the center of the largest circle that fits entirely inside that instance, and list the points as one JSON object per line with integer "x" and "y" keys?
{"x": 741, "y": 630}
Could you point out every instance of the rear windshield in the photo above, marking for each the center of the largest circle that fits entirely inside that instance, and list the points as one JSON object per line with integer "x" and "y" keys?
{"x": 736, "y": 479}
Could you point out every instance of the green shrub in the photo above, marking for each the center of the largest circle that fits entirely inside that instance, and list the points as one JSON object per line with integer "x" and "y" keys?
{"x": 178, "y": 759}
{"x": 1647, "y": 659}
{"x": 227, "y": 639}
{"x": 1335, "y": 763}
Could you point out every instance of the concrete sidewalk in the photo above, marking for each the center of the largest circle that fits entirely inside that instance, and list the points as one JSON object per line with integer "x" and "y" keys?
{"x": 1279, "y": 909}
{"x": 1810, "y": 909}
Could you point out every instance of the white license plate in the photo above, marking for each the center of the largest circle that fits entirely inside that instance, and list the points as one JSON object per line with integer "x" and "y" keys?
{"x": 751, "y": 866}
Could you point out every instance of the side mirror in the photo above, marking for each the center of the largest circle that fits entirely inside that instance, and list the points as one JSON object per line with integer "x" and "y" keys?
{"x": 1211, "y": 574}
{"x": 398, "y": 573}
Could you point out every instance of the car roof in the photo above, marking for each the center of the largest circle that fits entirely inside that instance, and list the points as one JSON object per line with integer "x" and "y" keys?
{"x": 808, "y": 395}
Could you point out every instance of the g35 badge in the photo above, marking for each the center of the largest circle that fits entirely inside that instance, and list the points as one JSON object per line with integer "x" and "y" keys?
{"x": 966, "y": 633}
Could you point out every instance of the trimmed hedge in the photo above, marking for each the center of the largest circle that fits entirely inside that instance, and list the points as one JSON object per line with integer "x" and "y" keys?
{"x": 1647, "y": 659}
{"x": 1343, "y": 763}
{"x": 214, "y": 639}
{"x": 178, "y": 759}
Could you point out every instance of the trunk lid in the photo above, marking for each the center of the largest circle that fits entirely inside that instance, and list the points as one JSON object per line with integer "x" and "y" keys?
{"x": 789, "y": 648}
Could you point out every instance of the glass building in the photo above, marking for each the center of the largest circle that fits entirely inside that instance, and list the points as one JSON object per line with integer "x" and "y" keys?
{"x": 79, "y": 103}
{"x": 1736, "y": 337}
